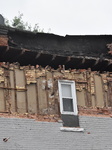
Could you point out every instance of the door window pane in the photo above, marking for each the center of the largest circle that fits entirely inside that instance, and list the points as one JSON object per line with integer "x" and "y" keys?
{"x": 68, "y": 104}
{"x": 66, "y": 90}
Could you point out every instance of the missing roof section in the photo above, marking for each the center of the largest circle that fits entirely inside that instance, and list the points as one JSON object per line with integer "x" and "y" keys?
{"x": 79, "y": 52}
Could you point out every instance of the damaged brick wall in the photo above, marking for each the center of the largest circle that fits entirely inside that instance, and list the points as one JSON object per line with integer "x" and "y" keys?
{"x": 34, "y": 90}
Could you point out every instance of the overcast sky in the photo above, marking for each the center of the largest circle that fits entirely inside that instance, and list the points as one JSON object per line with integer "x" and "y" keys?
{"x": 73, "y": 17}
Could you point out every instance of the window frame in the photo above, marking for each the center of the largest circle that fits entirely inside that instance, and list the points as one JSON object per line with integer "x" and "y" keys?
{"x": 74, "y": 98}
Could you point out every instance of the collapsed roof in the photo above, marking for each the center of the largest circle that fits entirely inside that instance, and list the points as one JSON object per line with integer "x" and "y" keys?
{"x": 78, "y": 51}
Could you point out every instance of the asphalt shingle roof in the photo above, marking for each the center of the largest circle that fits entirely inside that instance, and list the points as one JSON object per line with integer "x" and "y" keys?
{"x": 28, "y": 134}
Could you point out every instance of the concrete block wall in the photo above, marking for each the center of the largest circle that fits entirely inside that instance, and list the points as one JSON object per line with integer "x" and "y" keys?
{"x": 28, "y": 134}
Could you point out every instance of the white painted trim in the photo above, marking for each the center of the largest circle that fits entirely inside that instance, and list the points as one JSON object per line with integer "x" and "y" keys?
{"x": 72, "y": 83}
{"x": 68, "y": 129}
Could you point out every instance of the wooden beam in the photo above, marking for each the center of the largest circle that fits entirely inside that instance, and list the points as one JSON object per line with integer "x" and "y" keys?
{"x": 97, "y": 61}
{"x": 38, "y": 55}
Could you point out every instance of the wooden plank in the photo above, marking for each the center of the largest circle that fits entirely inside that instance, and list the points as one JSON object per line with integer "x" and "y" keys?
{"x": 21, "y": 105}
{"x": 56, "y": 76}
{"x": 20, "y": 84}
{"x": 110, "y": 94}
{"x": 55, "y": 96}
{"x": 15, "y": 93}
{"x": 26, "y": 97}
{"x": 104, "y": 96}
{"x": 88, "y": 91}
{"x": 37, "y": 96}
{"x": 80, "y": 98}
{"x": 2, "y": 102}
{"x": 93, "y": 101}
{"x": 32, "y": 100}
{"x": 47, "y": 91}
{"x": 50, "y": 92}
{"x": 6, "y": 86}
{"x": 13, "y": 105}
{"x": 99, "y": 91}
{"x": 42, "y": 96}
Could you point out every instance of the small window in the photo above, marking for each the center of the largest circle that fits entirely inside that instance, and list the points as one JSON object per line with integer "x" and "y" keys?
{"x": 67, "y": 94}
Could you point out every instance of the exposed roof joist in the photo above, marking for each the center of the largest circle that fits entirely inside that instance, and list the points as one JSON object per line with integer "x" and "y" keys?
{"x": 26, "y": 57}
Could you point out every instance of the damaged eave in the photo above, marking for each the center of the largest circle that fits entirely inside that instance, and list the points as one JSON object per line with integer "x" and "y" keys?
{"x": 26, "y": 57}
{"x": 53, "y": 50}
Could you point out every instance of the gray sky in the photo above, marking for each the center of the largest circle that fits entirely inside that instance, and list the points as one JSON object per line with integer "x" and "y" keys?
{"x": 73, "y": 17}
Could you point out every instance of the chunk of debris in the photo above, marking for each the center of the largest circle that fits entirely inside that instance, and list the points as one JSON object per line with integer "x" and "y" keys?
{"x": 6, "y": 139}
